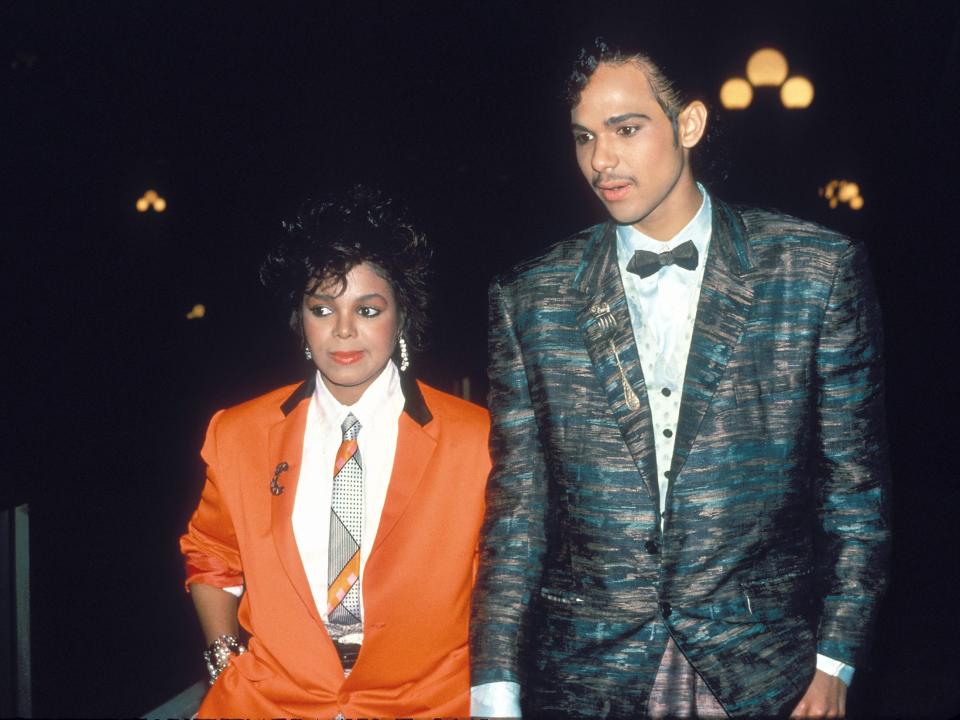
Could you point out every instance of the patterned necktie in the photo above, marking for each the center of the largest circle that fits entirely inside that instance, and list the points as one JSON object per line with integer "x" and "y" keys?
{"x": 645, "y": 263}
{"x": 346, "y": 522}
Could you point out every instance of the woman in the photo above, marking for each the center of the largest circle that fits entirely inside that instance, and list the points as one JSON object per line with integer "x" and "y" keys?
{"x": 339, "y": 518}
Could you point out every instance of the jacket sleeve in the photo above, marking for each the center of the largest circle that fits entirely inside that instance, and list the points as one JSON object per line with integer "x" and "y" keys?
{"x": 853, "y": 482}
{"x": 512, "y": 537}
{"x": 210, "y": 549}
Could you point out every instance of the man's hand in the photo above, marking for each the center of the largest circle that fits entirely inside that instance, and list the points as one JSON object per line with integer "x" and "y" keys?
{"x": 825, "y": 698}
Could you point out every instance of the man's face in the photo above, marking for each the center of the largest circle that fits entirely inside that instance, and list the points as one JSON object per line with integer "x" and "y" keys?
{"x": 627, "y": 150}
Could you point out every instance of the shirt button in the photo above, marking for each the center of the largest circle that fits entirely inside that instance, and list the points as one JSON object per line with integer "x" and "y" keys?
{"x": 665, "y": 609}
{"x": 668, "y": 433}
{"x": 665, "y": 392}
{"x": 652, "y": 547}
{"x": 668, "y": 474}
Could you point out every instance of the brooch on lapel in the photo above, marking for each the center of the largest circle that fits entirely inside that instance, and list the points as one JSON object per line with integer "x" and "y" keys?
{"x": 607, "y": 324}
{"x": 275, "y": 487}
{"x": 605, "y": 320}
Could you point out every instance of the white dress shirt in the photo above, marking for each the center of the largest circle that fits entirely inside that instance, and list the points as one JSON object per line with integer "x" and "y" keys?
{"x": 662, "y": 310}
{"x": 378, "y": 411}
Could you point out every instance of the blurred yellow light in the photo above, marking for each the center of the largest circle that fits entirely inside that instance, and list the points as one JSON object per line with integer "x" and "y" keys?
{"x": 151, "y": 199}
{"x": 796, "y": 93}
{"x": 197, "y": 312}
{"x": 848, "y": 191}
{"x": 736, "y": 94}
{"x": 841, "y": 191}
{"x": 767, "y": 67}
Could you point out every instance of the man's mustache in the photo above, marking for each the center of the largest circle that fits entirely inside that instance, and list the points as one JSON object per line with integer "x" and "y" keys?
{"x": 597, "y": 179}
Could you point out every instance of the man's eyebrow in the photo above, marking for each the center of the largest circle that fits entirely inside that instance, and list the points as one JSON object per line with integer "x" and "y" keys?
{"x": 617, "y": 119}
{"x": 578, "y": 128}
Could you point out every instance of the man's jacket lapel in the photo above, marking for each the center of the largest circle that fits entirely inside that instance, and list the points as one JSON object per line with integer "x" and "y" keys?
{"x": 598, "y": 279}
{"x": 722, "y": 311}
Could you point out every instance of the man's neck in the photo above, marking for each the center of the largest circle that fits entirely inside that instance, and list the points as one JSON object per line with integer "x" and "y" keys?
{"x": 674, "y": 212}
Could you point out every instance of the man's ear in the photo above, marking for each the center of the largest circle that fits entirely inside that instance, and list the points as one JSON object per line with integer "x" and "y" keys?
{"x": 691, "y": 124}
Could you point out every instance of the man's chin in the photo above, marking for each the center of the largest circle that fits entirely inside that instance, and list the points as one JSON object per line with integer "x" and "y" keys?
{"x": 622, "y": 216}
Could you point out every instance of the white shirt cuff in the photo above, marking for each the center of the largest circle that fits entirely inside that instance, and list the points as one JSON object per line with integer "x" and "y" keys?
{"x": 835, "y": 668}
{"x": 235, "y": 590}
{"x": 495, "y": 700}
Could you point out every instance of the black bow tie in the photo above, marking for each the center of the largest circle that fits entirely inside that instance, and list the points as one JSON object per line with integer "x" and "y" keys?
{"x": 645, "y": 263}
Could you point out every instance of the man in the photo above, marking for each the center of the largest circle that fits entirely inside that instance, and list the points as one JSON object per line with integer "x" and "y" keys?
{"x": 686, "y": 515}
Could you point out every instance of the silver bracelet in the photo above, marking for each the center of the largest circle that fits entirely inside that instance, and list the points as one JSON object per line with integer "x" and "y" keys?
{"x": 218, "y": 652}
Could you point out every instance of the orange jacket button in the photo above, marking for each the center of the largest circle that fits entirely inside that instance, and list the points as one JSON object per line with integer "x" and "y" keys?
{"x": 344, "y": 698}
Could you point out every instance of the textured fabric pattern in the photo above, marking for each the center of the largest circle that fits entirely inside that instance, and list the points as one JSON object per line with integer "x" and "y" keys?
{"x": 775, "y": 533}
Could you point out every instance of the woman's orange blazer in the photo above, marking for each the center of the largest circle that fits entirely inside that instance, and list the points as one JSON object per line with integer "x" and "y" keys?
{"x": 414, "y": 661}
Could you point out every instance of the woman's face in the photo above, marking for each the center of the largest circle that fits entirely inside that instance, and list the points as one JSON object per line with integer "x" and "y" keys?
{"x": 351, "y": 335}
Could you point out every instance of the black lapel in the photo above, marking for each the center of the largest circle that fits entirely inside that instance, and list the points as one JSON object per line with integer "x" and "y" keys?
{"x": 301, "y": 392}
{"x": 413, "y": 403}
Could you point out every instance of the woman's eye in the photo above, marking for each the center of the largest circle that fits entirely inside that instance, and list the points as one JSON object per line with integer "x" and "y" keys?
{"x": 321, "y": 311}
{"x": 368, "y": 312}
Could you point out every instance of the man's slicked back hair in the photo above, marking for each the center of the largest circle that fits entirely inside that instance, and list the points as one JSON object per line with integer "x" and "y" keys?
{"x": 671, "y": 98}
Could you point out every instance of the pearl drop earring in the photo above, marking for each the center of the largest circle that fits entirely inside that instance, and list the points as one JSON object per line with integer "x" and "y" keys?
{"x": 404, "y": 355}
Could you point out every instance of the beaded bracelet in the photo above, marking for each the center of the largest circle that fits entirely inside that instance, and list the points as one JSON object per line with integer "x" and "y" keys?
{"x": 218, "y": 652}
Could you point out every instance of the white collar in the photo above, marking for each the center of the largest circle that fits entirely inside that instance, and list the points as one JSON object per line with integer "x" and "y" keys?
{"x": 383, "y": 392}
{"x": 698, "y": 230}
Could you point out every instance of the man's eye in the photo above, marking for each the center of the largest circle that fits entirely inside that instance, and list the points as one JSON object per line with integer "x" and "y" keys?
{"x": 582, "y": 138}
{"x": 368, "y": 312}
{"x": 320, "y": 311}
{"x": 628, "y": 130}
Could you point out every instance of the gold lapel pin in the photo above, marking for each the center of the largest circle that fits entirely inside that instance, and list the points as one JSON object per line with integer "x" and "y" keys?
{"x": 607, "y": 323}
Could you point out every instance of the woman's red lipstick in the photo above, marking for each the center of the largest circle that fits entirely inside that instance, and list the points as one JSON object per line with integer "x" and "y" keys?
{"x": 346, "y": 358}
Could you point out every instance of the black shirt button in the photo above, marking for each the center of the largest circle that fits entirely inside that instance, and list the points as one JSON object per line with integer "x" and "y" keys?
{"x": 668, "y": 432}
{"x": 665, "y": 392}
{"x": 652, "y": 547}
{"x": 665, "y": 609}
{"x": 668, "y": 474}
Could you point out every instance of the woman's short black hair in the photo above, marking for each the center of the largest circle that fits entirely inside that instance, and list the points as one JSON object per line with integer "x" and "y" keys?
{"x": 329, "y": 237}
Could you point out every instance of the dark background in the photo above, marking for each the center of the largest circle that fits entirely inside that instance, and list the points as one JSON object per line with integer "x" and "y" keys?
{"x": 235, "y": 112}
